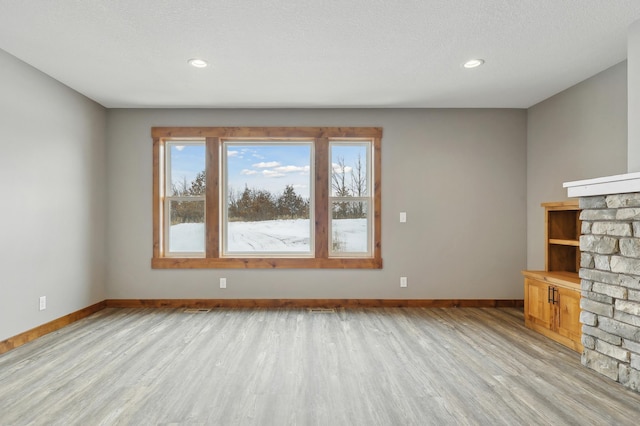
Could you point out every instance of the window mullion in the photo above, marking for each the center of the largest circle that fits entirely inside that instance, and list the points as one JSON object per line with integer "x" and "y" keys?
{"x": 322, "y": 198}
{"x": 212, "y": 202}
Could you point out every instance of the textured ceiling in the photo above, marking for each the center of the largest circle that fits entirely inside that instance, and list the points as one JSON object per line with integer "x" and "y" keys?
{"x": 317, "y": 53}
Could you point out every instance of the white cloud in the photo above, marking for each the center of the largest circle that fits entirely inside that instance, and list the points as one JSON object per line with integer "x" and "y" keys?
{"x": 248, "y": 172}
{"x": 179, "y": 147}
{"x": 291, "y": 169}
{"x": 337, "y": 169}
{"x": 264, "y": 165}
{"x": 233, "y": 153}
{"x": 272, "y": 174}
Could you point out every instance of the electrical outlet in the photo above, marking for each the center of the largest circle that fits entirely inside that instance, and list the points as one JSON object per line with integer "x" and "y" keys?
{"x": 43, "y": 303}
{"x": 223, "y": 283}
{"x": 403, "y": 281}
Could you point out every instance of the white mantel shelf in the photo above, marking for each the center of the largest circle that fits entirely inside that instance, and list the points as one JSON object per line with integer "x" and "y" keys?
{"x": 618, "y": 184}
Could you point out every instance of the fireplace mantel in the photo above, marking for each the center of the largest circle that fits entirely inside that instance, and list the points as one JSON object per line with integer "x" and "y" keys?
{"x": 618, "y": 184}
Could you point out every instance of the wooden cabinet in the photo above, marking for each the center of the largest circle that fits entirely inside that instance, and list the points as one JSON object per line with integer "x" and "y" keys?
{"x": 552, "y": 306}
{"x": 567, "y": 315}
{"x": 537, "y": 310}
{"x": 552, "y": 296}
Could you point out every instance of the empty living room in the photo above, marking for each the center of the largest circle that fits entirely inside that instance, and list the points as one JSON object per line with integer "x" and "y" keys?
{"x": 319, "y": 212}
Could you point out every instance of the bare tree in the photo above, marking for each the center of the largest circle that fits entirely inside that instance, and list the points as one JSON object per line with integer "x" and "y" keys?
{"x": 180, "y": 188}
{"x": 340, "y": 188}
{"x": 358, "y": 186}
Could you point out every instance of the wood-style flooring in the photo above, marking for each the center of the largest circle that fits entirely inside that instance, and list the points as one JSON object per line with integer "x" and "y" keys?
{"x": 375, "y": 366}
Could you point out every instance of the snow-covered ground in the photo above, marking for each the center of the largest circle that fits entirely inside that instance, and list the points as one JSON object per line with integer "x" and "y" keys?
{"x": 269, "y": 235}
{"x": 293, "y": 236}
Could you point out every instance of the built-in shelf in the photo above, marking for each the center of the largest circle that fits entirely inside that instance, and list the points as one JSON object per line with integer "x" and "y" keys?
{"x": 552, "y": 296}
{"x": 575, "y": 243}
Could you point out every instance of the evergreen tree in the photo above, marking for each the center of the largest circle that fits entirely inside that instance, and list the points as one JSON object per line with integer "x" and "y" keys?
{"x": 260, "y": 204}
{"x": 198, "y": 185}
{"x": 188, "y": 211}
{"x": 244, "y": 205}
{"x": 291, "y": 204}
{"x": 264, "y": 206}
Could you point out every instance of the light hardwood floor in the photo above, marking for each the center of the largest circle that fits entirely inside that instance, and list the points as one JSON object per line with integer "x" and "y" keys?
{"x": 376, "y": 366}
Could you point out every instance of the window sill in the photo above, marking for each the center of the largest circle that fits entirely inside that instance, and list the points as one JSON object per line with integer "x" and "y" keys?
{"x": 263, "y": 263}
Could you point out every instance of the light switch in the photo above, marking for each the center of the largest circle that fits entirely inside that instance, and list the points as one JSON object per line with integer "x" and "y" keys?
{"x": 403, "y": 217}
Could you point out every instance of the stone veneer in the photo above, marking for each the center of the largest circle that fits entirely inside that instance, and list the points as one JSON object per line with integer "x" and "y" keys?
{"x": 610, "y": 273}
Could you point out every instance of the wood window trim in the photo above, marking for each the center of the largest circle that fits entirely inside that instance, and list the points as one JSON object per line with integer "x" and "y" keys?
{"x": 213, "y": 137}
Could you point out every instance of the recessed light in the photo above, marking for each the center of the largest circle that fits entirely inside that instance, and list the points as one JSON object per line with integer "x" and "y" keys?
{"x": 198, "y": 63}
{"x": 473, "y": 63}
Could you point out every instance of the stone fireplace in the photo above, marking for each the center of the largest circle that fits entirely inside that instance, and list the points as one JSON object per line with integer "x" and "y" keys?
{"x": 610, "y": 283}
{"x": 610, "y": 275}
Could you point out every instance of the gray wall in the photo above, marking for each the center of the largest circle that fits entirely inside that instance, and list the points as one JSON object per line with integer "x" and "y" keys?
{"x": 580, "y": 133}
{"x": 459, "y": 175}
{"x": 633, "y": 59}
{"x": 53, "y": 186}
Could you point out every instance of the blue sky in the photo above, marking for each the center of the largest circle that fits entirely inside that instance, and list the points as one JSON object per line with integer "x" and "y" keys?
{"x": 261, "y": 166}
{"x": 186, "y": 161}
{"x": 270, "y": 167}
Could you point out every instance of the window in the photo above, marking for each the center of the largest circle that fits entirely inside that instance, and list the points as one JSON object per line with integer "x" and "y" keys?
{"x": 266, "y": 197}
{"x": 267, "y": 208}
{"x": 349, "y": 199}
{"x": 184, "y": 198}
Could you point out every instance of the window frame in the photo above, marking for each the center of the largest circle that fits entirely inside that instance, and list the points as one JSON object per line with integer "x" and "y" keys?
{"x": 368, "y": 199}
{"x": 213, "y": 137}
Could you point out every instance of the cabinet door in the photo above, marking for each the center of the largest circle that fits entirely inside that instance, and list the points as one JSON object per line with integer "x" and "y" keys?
{"x": 537, "y": 306}
{"x": 568, "y": 313}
